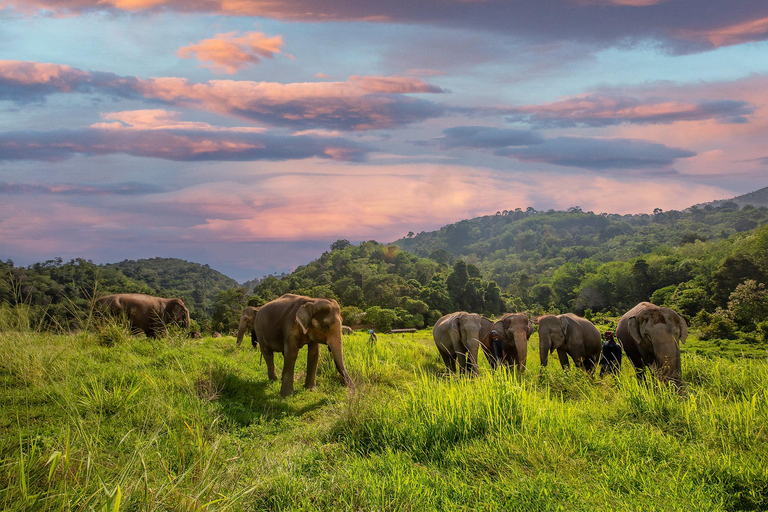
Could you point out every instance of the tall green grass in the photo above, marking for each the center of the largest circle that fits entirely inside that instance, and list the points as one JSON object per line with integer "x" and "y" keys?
{"x": 181, "y": 424}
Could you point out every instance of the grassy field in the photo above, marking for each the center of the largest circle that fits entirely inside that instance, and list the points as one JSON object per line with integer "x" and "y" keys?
{"x": 95, "y": 422}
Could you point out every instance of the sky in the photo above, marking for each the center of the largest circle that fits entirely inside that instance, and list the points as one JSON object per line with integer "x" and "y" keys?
{"x": 251, "y": 134}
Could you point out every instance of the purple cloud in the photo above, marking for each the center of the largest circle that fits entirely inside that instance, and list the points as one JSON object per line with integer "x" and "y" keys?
{"x": 487, "y": 137}
{"x": 72, "y": 189}
{"x": 178, "y": 145}
{"x": 683, "y": 25}
{"x": 598, "y": 154}
{"x": 600, "y": 110}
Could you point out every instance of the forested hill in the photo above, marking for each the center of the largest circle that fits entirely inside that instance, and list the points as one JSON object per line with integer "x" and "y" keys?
{"x": 756, "y": 198}
{"x": 172, "y": 276}
{"x": 58, "y": 289}
{"x": 535, "y": 243}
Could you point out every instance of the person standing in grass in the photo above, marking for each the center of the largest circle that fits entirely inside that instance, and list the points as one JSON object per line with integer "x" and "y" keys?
{"x": 497, "y": 346}
{"x": 372, "y": 339}
{"x": 610, "y": 359}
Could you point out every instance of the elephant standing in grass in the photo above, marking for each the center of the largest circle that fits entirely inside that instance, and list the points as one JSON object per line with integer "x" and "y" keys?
{"x": 515, "y": 329}
{"x": 291, "y": 321}
{"x": 459, "y": 336}
{"x": 571, "y": 336}
{"x": 246, "y": 325}
{"x": 145, "y": 312}
{"x": 651, "y": 336}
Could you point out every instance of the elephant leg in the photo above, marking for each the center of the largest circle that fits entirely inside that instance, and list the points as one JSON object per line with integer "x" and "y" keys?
{"x": 289, "y": 363}
{"x": 449, "y": 360}
{"x": 269, "y": 357}
{"x": 510, "y": 359}
{"x": 313, "y": 356}
{"x": 461, "y": 358}
{"x": 562, "y": 355}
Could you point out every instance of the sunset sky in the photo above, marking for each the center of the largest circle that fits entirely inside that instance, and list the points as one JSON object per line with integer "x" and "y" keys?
{"x": 251, "y": 134}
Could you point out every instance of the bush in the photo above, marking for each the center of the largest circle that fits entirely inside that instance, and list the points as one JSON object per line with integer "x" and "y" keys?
{"x": 720, "y": 327}
{"x": 383, "y": 319}
{"x": 762, "y": 330}
{"x": 352, "y": 315}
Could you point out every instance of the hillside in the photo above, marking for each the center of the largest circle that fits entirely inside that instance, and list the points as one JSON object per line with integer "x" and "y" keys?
{"x": 756, "y": 198}
{"x": 198, "y": 284}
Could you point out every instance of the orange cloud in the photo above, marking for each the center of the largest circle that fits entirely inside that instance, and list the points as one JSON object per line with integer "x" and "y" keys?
{"x": 229, "y": 53}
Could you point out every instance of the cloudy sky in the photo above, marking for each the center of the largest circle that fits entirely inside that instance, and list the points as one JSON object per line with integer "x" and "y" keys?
{"x": 250, "y": 134}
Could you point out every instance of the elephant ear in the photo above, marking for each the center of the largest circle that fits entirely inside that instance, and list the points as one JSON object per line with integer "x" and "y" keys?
{"x": 529, "y": 329}
{"x": 633, "y": 325}
{"x": 304, "y": 316}
{"x": 564, "y": 324}
{"x": 500, "y": 329}
{"x": 486, "y": 326}
{"x": 683, "y": 328}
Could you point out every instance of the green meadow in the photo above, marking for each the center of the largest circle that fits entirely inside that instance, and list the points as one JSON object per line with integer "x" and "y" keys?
{"x": 106, "y": 421}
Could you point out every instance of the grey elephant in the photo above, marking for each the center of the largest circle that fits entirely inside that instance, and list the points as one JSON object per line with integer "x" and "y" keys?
{"x": 459, "y": 336}
{"x": 345, "y": 329}
{"x": 291, "y": 321}
{"x": 572, "y": 336}
{"x": 145, "y": 312}
{"x": 246, "y": 325}
{"x": 651, "y": 336}
{"x": 514, "y": 329}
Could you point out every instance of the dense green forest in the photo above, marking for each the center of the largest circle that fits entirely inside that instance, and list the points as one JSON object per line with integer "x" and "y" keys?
{"x": 60, "y": 292}
{"x": 707, "y": 262}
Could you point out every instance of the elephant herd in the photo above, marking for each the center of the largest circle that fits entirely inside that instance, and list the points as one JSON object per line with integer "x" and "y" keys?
{"x": 650, "y": 335}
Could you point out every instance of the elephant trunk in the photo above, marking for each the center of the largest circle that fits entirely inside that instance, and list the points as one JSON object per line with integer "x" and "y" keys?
{"x": 241, "y": 331}
{"x": 521, "y": 344}
{"x": 334, "y": 346}
{"x": 473, "y": 349}
{"x": 545, "y": 346}
{"x": 187, "y": 321}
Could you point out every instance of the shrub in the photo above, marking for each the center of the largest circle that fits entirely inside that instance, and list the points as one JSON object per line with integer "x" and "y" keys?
{"x": 720, "y": 327}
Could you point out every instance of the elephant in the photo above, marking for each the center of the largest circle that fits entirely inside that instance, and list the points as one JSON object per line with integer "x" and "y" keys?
{"x": 246, "y": 325}
{"x": 459, "y": 336}
{"x": 650, "y": 336}
{"x": 145, "y": 312}
{"x": 345, "y": 329}
{"x": 572, "y": 336}
{"x": 291, "y": 321}
{"x": 514, "y": 329}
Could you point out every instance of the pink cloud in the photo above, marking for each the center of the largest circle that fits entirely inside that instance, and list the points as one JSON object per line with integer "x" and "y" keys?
{"x": 749, "y": 31}
{"x": 160, "y": 134}
{"x": 230, "y": 53}
{"x": 606, "y": 109}
{"x": 158, "y": 119}
{"x": 360, "y": 103}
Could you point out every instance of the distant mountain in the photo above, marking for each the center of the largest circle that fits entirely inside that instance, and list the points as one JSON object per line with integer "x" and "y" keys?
{"x": 197, "y": 284}
{"x": 756, "y": 198}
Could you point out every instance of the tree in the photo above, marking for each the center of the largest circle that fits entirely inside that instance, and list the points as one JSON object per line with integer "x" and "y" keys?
{"x": 340, "y": 245}
{"x": 227, "y": 309}
{"x": 748, "y": 304}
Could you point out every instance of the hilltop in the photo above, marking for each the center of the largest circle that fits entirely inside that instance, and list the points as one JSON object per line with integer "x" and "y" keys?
{"x": 756, "y": 198}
